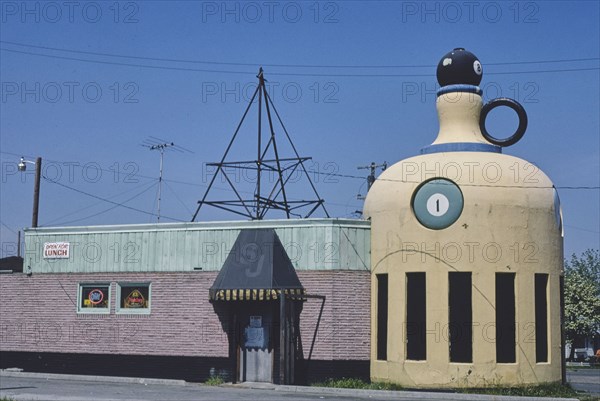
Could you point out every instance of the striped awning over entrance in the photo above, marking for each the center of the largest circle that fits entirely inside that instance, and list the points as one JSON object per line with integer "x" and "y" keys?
{"x": 255, "y": 294}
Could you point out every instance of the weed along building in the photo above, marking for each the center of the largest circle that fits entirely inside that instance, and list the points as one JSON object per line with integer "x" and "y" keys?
{"x": 191, "y": 300}
{"x": 451, "y": 279}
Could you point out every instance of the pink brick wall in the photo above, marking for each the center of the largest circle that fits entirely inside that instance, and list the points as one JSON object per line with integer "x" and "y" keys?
{"x": 344, "y": 331}
{"x": 38, "y": 314}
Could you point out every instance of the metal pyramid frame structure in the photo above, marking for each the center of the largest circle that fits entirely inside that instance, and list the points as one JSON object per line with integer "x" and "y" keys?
{"x": 257, "y": 207}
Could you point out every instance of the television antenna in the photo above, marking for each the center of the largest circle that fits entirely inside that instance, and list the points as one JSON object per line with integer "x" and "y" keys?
{"x": 154, "y": 143}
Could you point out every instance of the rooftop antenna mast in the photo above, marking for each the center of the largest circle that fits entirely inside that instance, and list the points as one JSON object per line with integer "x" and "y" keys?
{"x": 154, "y": 143}
{"x": 266, "y": 195}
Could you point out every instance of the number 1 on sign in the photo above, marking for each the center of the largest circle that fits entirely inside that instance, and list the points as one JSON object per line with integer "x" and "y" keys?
{"x": 438, "y": 204}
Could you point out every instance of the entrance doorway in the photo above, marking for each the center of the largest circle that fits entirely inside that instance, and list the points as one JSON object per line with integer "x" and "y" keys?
{"x": 264, "y": 298}
{"x": 257, "y": 343}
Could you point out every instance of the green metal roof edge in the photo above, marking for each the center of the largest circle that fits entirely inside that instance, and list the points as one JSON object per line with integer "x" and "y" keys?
{"x": 199, "y": 226}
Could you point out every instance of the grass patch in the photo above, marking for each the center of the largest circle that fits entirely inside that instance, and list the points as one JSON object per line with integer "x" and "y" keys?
{"x": 357, "y": 384}
{"x": 543, "y": 390}
{"x": 555, "y": 390}
{"x": 214, "y": 381}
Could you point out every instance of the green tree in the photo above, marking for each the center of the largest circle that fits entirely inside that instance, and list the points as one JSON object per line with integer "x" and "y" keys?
{"x": 582, "y": 297}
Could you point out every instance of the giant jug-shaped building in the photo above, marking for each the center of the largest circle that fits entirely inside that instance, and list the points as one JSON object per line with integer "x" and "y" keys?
{"x": 466, "y": 254}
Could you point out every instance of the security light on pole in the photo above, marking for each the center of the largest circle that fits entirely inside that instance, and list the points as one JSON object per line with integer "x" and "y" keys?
{"x": 22, "y": 166}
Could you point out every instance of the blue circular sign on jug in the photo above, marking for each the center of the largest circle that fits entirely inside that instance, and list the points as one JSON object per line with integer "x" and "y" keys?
{"x": 437, "y": 203}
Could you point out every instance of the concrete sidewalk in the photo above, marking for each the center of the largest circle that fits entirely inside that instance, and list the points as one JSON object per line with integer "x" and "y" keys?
{"x": 90, "y": 378}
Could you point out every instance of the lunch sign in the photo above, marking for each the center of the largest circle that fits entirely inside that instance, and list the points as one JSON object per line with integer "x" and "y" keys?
{"x": 56, "y": 250}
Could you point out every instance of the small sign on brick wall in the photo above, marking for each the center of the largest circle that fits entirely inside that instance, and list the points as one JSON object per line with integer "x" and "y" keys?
{"x": 56, "y": 250}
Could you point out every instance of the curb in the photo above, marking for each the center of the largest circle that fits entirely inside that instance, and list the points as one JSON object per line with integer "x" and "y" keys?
{"x": 389, "y": 394}
{"x": 84, "y": 378}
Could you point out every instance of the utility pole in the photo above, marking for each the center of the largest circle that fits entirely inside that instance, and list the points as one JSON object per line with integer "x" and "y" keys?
{"x": 22, "y": 166}
{"x": 36, "y": 192}
{"x": 371, "y": 177}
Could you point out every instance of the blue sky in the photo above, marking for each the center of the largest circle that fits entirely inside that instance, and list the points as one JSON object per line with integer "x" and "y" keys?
{"x": 84, "y": 83}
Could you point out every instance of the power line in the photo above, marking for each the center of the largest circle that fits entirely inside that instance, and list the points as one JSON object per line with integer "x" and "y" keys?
{"x": 107, "y": 200}
{"x": 330, "y": 203}
{"x": 10, "y": 229}
{"x": 283, "y": 73}
{"x": 165, "y": 180}
{"x": 96, "y": 203}
{"x": 582, "y": 229}
{"x": 583, "y": 187}
{"x": 465, "y": 184}
{"x": 125, "y": 173}
{"x": 179, "y": 199}
{"x": 188, "y": 61}
{"x": 110, "y": 208}
{"x": 566, "y": 187}
{"x": 124, "y": 64}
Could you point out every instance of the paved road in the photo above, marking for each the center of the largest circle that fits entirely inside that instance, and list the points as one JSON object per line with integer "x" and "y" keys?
{"x": 66, "y": 390}
{"x": 39, "y": 389}
{"x": 58, "y": 388}
{"x": 587, "y": 380}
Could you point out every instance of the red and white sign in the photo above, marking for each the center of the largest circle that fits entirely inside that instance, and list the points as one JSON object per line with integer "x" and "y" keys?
{"x": 56, "y": 250}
